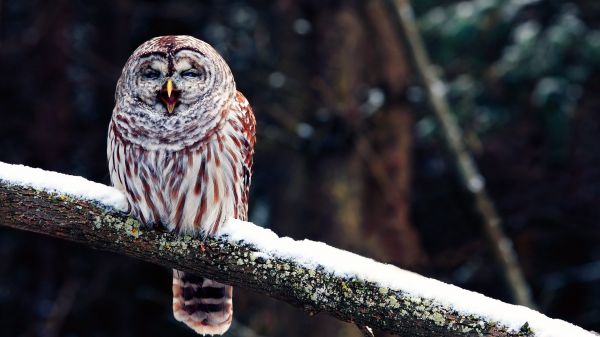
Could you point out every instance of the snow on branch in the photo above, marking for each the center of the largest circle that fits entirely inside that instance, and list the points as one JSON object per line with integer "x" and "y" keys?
{"x": 308, "y": 274}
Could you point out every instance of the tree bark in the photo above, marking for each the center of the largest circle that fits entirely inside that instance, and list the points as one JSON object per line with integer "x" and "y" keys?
{"x": 239, "y": 264}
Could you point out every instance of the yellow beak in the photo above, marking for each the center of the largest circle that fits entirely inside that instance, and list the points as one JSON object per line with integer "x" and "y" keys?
{"x": 169, "y": 87}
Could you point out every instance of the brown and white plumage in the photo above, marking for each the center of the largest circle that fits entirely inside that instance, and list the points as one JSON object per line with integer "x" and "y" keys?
{"x": 182, "y": 154}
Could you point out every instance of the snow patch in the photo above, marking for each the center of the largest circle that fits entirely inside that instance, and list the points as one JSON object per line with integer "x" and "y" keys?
{"x": 311, "y": 254}
{"x": 63, "y": 184}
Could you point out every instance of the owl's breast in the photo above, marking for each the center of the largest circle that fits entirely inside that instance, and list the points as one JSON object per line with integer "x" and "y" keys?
{"x": 192, "y": 191}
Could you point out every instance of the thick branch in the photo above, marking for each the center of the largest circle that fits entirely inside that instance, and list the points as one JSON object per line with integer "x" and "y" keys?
{"x": 314, "y": 286}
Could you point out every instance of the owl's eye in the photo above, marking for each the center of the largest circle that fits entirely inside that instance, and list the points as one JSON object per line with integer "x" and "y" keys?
{"x": 151, "y": 74}
{"x": 190, "y": 73}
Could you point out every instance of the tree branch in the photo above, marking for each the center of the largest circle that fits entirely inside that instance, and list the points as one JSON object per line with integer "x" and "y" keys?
{"x": 359, "y": 290}
{"x": 473, "y": 181}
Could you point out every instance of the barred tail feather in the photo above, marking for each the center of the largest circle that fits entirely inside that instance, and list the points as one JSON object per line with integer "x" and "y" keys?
{"x": 202, "y": 304}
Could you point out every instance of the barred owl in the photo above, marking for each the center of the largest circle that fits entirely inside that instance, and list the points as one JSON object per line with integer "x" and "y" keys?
{"x": 180, "y": 146}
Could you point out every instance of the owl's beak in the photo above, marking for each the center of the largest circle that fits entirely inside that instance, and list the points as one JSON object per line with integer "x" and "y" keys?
{"x": 169, "y": 95}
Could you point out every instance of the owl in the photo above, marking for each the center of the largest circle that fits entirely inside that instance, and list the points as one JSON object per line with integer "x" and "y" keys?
{"x": 180, "y": 146}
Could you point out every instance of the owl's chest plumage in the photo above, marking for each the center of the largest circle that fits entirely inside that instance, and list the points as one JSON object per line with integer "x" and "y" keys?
{"x": 191, "y": 190}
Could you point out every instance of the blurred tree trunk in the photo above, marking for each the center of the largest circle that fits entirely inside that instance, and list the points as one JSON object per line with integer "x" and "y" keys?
{"x": 389, "y": 153}
{"x": 371, "y": 214}
{"x": 340, "y": 38}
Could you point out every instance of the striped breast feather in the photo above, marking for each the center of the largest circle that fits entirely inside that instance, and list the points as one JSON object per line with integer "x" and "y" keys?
{"x": 193, "y": 190}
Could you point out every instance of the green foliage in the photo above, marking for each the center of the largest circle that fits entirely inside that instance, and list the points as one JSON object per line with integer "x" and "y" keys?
{"x": 504, "y": 59}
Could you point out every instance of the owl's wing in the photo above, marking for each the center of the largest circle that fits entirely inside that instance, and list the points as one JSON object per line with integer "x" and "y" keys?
{"x": 249, "y": 128}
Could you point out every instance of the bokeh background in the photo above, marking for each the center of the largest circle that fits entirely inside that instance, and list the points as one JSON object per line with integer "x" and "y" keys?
{"x": 348, "y": 151}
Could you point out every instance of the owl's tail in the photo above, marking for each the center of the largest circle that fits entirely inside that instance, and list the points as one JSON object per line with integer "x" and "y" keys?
{"x": 202, "y": 304}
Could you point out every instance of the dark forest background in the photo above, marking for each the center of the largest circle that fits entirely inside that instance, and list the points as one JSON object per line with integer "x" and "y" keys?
{"x": 348, "y": 151}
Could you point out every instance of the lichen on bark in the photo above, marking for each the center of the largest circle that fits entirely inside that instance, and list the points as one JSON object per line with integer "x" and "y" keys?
{"x": 240, "y": 264}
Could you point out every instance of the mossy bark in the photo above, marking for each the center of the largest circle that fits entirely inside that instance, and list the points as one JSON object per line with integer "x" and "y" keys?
{"x": 239, "y": 264}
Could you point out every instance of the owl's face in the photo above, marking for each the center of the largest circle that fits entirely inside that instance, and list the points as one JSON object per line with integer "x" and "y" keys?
{"x": 171, "y": 85}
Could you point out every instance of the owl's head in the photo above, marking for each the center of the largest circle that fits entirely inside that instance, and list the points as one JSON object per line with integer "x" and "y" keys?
{"x": 170, "y": 83}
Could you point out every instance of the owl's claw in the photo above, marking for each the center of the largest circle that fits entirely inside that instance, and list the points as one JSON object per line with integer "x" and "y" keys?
{"x": 160, "y": 227}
